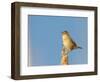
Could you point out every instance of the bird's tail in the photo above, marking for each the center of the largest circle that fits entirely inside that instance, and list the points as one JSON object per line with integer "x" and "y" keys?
{"x": 79, "y": 47}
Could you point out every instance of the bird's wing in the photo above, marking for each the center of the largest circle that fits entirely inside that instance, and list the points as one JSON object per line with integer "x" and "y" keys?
{"x": 74, "y": 45}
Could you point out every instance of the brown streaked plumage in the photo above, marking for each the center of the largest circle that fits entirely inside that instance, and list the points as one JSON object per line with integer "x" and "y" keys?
{"x": 68, "y": 43}
{"x": 68, "y": 46}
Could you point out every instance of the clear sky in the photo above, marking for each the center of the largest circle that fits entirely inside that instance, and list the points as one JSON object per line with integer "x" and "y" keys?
{"x": 45, "y": 39}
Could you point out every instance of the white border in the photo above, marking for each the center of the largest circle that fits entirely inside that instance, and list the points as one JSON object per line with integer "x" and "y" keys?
{"x": 25, "y": 70}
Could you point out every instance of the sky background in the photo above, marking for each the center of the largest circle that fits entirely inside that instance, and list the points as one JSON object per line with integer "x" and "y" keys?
{"x": 45, "y": 39}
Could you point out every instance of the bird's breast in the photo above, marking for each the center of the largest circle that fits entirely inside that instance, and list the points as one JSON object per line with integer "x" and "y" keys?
{"x": 67, "y": 43}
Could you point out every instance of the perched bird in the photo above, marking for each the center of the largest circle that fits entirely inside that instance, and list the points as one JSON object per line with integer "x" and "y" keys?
{"x": 68, "y": 46}
{"x": 68, "y": 43}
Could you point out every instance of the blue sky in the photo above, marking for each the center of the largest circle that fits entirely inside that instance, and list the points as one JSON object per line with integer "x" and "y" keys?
{"x": 45, "y": 39}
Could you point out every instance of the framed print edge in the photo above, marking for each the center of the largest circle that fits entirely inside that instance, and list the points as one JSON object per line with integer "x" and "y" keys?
{"x": 15, "y": 40}
{"x": 96, "y": 40}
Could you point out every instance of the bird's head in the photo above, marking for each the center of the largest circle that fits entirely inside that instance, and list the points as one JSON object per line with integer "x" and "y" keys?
{"x": 65, "y": 32}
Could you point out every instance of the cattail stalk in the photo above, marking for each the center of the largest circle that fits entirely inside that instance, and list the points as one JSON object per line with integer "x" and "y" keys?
{"x": 64, "y": 59}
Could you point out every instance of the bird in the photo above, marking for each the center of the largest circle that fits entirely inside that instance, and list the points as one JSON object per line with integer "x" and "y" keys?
{"x": 68, "y": 43}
